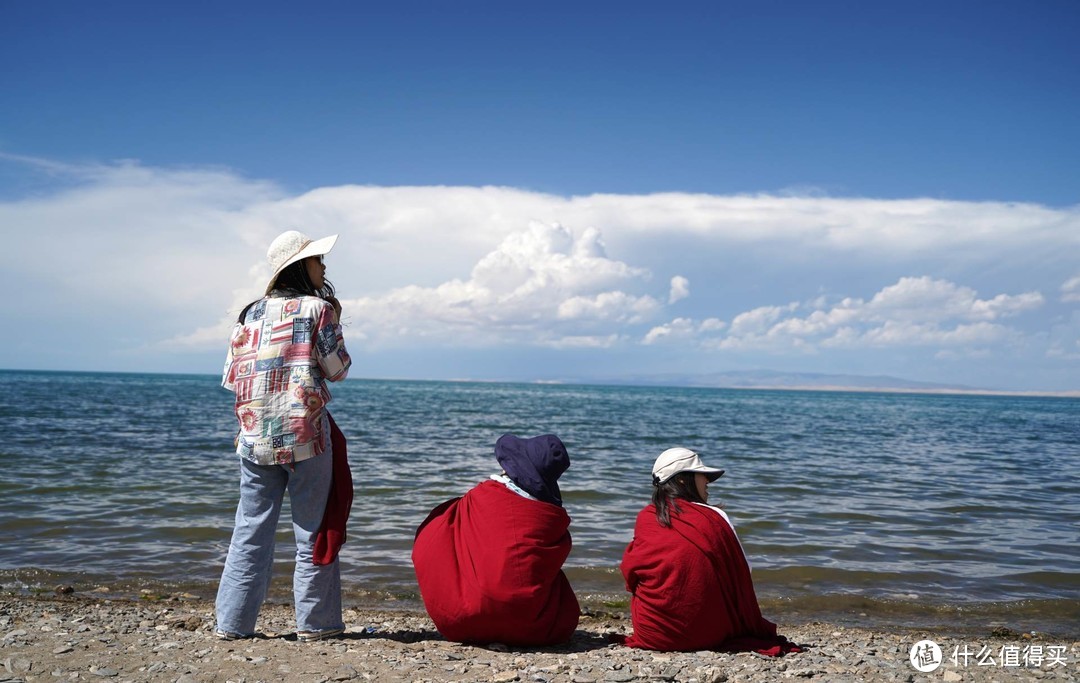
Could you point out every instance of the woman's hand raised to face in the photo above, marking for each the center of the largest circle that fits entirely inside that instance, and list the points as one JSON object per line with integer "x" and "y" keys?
{"x": 337, "y": 308}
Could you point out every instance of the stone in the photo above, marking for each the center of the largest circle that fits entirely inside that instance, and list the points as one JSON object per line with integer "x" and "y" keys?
{"x": 952, "y": 677}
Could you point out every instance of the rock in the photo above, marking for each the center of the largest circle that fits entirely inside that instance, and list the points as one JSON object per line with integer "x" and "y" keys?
{"x": 63, "y": 649}
{"x": 104, "y": 672}
{"x": 505, "y": 676}
{"x": 952, "y": 677}
{"x": 64, "y": 590}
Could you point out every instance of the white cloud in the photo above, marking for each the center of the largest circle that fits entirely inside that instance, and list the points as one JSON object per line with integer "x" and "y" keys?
{"x": 541, "y": 286}
{"x": 677, "y": 328}
{"x": 759, "y": 320}
{"x": 683, "y": 328}
{"x": 924, "y": 298}
{"x": 680, "y": 289}
{"x": 176, "y": 253}
{"x": 1070, "y": 291}
{"x": 914, "y": 312}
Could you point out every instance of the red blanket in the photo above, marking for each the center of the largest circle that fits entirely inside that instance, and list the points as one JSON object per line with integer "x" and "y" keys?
{"x": 691, "y": 587}
{"x": 489, "y": 565}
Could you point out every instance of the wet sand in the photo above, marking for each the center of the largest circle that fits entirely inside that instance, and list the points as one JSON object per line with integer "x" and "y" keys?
{"x": 92, "y": 637}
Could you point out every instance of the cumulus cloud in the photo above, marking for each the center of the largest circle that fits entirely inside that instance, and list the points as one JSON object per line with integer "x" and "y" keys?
{"x": 541, "y": 286}
{"x": 1070, "y": 291}
{"x": 913, "y": 312}
{"x": 176, "y": 252}
{"x": 680, "y": 289}
{"x": 683, "y": 328}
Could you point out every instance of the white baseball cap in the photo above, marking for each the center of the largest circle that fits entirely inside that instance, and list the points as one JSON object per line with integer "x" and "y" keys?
{"x": 676, "y": 460}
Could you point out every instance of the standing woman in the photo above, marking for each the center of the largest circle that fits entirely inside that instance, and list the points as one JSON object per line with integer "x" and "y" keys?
{"x": 686, "y": 571}
{"x": 284, "y": 348}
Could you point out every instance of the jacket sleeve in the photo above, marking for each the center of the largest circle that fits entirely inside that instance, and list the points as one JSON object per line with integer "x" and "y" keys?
{"x": 330, "y": 352}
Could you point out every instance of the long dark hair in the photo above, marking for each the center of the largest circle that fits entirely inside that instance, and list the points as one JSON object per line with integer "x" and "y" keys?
{"x": 294, "y": 280}
{"x": 666, "y": 496}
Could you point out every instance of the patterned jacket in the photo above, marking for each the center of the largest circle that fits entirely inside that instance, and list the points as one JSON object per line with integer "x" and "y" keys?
{"x": 278, "y": 363}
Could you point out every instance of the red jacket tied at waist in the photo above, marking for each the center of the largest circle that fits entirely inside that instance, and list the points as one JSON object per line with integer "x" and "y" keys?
{"x": 691, "y": 586}
{"x": 489, "y": 565}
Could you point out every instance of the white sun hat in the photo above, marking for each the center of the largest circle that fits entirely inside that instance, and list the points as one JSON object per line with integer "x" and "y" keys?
{"x": 292, "y": 246}
{"x": 676, "y": 460}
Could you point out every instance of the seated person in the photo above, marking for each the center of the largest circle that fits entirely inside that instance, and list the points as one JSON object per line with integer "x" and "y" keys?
{"x": 686, "y": 570}
{"x": 489, "y": 563}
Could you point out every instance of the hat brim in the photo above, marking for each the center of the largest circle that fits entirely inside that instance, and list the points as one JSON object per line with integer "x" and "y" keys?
{"x": 313, "y": 248}
{"x": 711, "y": 473}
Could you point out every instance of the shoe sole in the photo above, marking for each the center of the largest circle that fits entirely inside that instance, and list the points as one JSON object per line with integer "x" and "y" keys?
{"x": 311, "y": 636}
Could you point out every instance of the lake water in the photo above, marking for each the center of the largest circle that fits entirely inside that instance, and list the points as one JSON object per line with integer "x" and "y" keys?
{"x": 871, "y": 508}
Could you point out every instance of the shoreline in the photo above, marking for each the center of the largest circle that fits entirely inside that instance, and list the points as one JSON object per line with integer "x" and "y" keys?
{"x": 1050, "y": 618}
{"x": 169, "y": 637}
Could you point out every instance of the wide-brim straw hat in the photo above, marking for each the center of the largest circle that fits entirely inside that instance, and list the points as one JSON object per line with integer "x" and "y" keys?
{"x": 676, "y": 460}
{"x": 292, "y": 246}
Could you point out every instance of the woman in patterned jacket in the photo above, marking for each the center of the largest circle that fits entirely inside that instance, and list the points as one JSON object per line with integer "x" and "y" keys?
{"x": 285, "y": 348}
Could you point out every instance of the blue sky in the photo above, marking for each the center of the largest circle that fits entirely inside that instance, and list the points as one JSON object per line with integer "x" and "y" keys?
{"x": 565, "y": 190}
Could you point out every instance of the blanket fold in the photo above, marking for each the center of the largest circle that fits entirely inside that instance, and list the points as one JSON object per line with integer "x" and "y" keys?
{"x": 691, "y": 587}
{"x": 331, "y": 534}
{"x": 489, "y": 566}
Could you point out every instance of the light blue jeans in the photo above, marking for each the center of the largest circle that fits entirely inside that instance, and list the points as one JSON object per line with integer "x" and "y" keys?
{"x": 246, "y": 578}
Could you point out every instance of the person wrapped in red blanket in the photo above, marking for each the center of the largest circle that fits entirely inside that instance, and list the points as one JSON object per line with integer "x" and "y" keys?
{"x": 687, "y": 572}
{"x": 489, "y": 564}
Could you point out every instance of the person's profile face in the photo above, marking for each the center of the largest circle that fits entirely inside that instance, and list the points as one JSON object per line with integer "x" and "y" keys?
{"x": 702, "y": 483}
{"x": 316, "y": 271}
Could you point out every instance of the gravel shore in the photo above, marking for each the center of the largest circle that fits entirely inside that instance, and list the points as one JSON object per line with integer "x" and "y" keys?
{"x": 87, "y": 637}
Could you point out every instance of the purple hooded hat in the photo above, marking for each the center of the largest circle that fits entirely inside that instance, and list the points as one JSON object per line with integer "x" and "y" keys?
{"x": 534, "y": 464}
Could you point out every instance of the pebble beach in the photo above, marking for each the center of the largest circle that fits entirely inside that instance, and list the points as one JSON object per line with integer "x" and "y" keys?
{"x": 74, "y": 636}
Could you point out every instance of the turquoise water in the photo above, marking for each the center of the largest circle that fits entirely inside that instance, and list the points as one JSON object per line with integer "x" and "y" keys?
{"x": 866, "y": 507}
